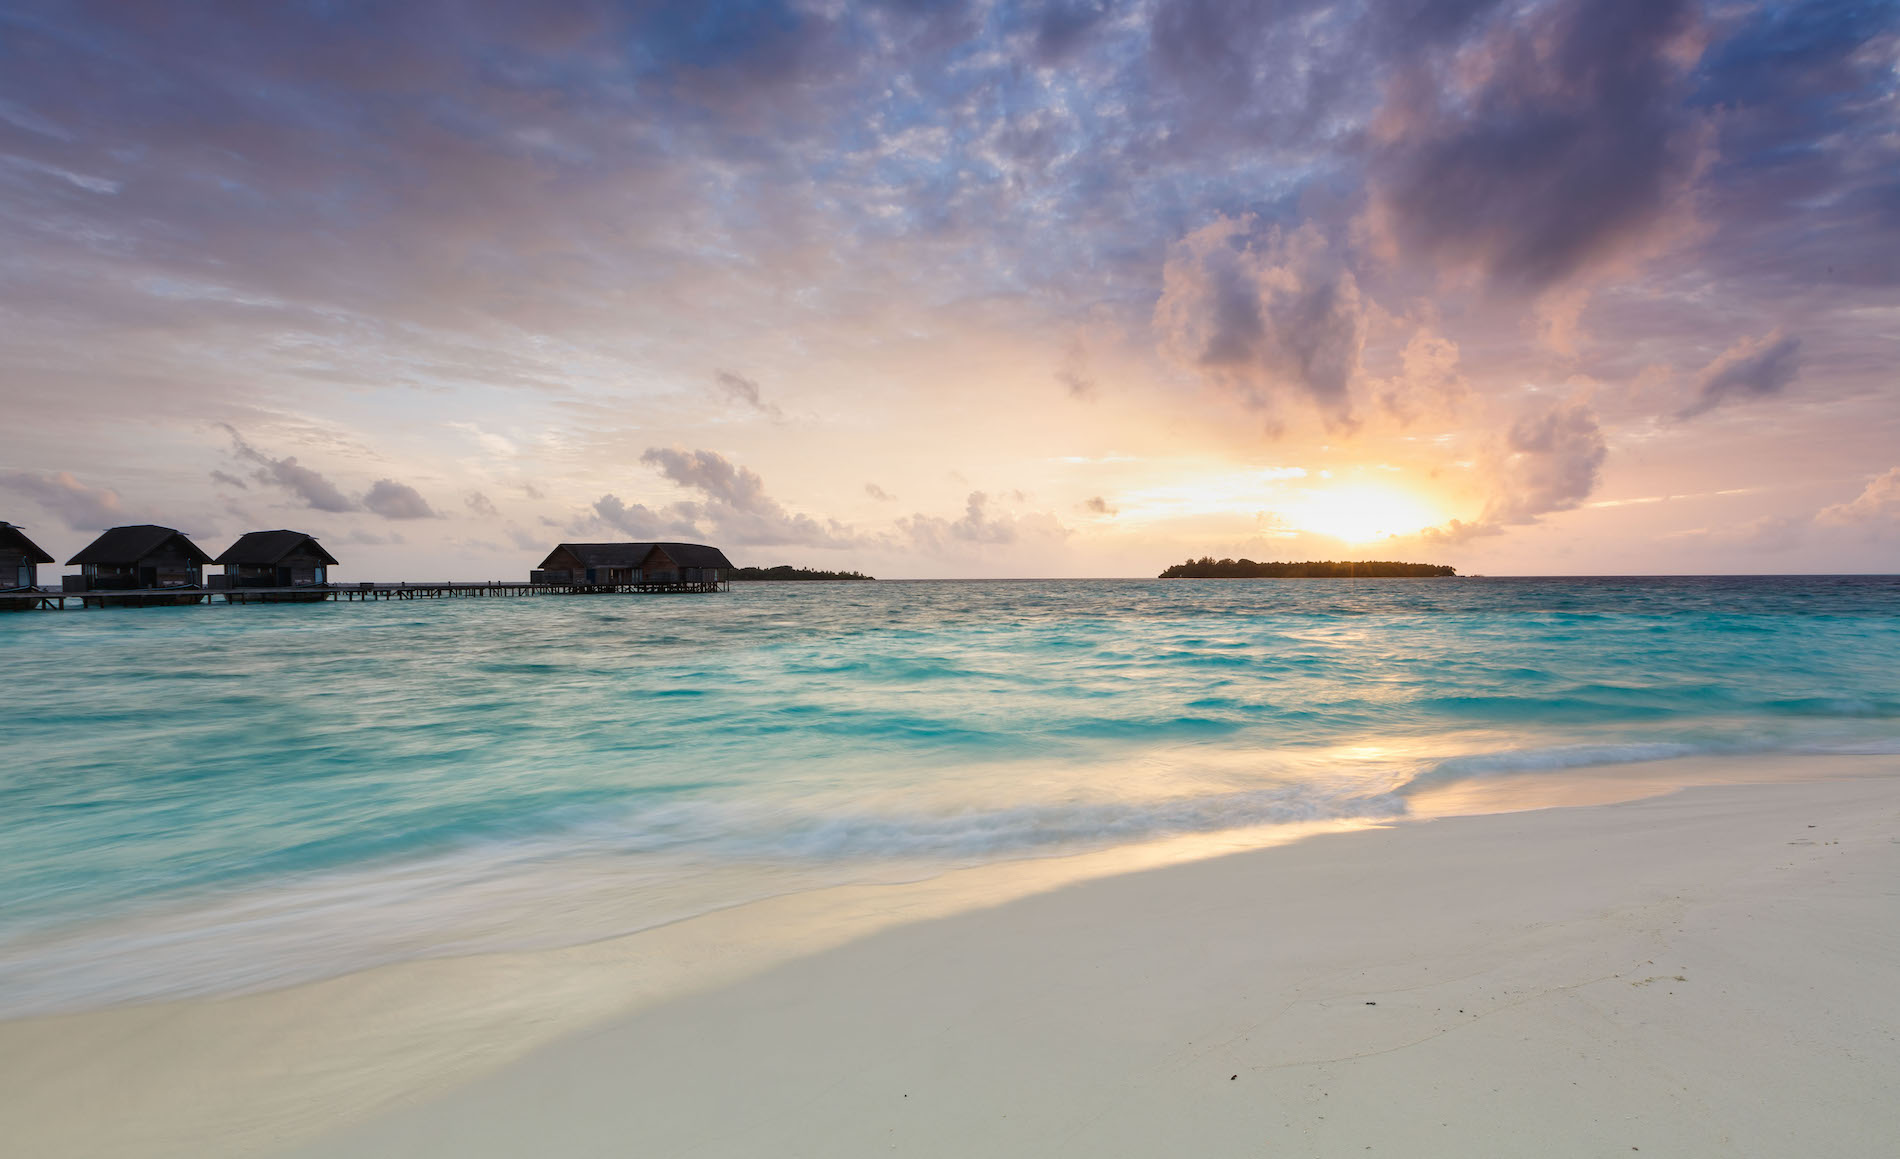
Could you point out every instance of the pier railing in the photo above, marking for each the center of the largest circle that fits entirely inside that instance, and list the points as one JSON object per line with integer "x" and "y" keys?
{"x": 45, "y": 599}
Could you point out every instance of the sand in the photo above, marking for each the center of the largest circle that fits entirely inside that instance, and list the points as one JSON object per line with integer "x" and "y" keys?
{"x": 1709, "y": 972}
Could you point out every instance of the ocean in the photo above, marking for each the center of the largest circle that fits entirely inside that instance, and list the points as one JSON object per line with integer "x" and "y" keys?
{"x": 218, "y": 799}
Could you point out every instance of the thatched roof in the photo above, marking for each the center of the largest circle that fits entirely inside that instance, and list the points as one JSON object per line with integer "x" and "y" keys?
{"x": 602, "y": 554}
{"x": 635, "y": 554}
{"x": 694, "y": 555}
{"x": 136, "y": 542}
{"x": 269, "y": 548}
{"x": 13, "y": 537}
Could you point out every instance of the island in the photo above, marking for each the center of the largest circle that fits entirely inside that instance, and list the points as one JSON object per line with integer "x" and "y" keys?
{"x": 786, "y": 571}
{"x": 1207, "y": 567}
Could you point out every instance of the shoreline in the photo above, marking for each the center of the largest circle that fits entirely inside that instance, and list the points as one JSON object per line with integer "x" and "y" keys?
{"x": 533, "y": 895}
{"x": 255, "y": 1073}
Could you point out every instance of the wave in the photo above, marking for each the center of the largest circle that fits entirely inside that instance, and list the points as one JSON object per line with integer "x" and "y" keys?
{"x": 1573, "y": 756}
{"x": 1834, "y": 706}
{"x": 673, "y": 857}
{"x": 529, "y": 895}
{"x": 1558, "y": 758}
{"x": 1079, "y": 825}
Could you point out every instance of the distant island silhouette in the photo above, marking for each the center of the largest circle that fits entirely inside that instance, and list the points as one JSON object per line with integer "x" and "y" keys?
{"x": 1207, "y": 567}
{"x": 786, "y": 571}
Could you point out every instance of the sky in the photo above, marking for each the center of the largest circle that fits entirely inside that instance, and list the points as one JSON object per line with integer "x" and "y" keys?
{"x": 965, "y": 288}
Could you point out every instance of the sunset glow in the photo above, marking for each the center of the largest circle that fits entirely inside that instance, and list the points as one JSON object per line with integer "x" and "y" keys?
{"x": 1360, "y": 512}
{"x": 960, "y": 288}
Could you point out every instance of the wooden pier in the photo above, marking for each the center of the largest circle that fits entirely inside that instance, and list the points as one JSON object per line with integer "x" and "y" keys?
{"x": 47, "y": 600}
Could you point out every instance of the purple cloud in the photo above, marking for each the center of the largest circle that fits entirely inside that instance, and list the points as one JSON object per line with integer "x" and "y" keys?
{"x": 1269, "y": 316}
{"x": 734, "y": 506}
{"x": 82, "y": 508}
{"x": 1553, "y": 145}
{"x": 305, "y": 484}
{"x": 1754, "y": 368}
{"x": 744, "y": 391}
{"x": 978, "y": 526}
{"x": 393, "y": 500}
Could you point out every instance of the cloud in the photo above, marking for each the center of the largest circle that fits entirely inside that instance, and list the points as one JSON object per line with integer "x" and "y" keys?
{"x": 1877, "y": 506}
{"x": 229, "y": 480}
{"x": 1765, "y": 533}
{"x": 1875, "y": 512}
{"x": 481, "y": 505}
{"x": 497, "y": 445}
{"x": 1268, "y": 316}
{"x": 307, "y": 485}
{"x": 385, "y": 497}
{"x": 1551, "y": 464}
{"x": 1430, "y": 382}
{"x": 1099, "y": 506}
{"x": 1805, "y": 161}
{"x": 878, "y": 493}
{"x": 734, "y": 506}
{"x": 977, "y": 527}
{"x": 393, "y": 500}
{"x": 711, "y": 474}
{"x": 1549, "y": 460}
{"x": 1063, "y": 26}
{"x": 1077, "y": 384}
{"x": 1558, "y": 144}
{"x": 745, "y": 391}
{"x": 1244, "y": 74}
{"x": 639, "y": 520}
{"x": 1753, "y": 368}
{"x": 82, "y": 508}
{"x": 373, "y": 539}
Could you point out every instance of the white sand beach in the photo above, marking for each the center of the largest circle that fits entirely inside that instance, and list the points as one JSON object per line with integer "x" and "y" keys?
{"x": 1707, "y": 972}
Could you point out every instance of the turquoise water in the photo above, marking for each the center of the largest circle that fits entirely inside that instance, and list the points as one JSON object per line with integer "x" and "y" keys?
{"x": 204, "y": 799}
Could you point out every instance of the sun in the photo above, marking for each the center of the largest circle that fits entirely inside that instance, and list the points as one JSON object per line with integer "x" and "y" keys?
{"x": 1358, "y": 512}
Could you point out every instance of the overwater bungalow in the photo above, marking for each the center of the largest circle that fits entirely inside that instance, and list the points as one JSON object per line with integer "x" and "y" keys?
{"x": 20, "y": 558}
{"x": 276, "y": 559}
{"x": 663, "y": 566}
{"x": 142, "y": 556}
